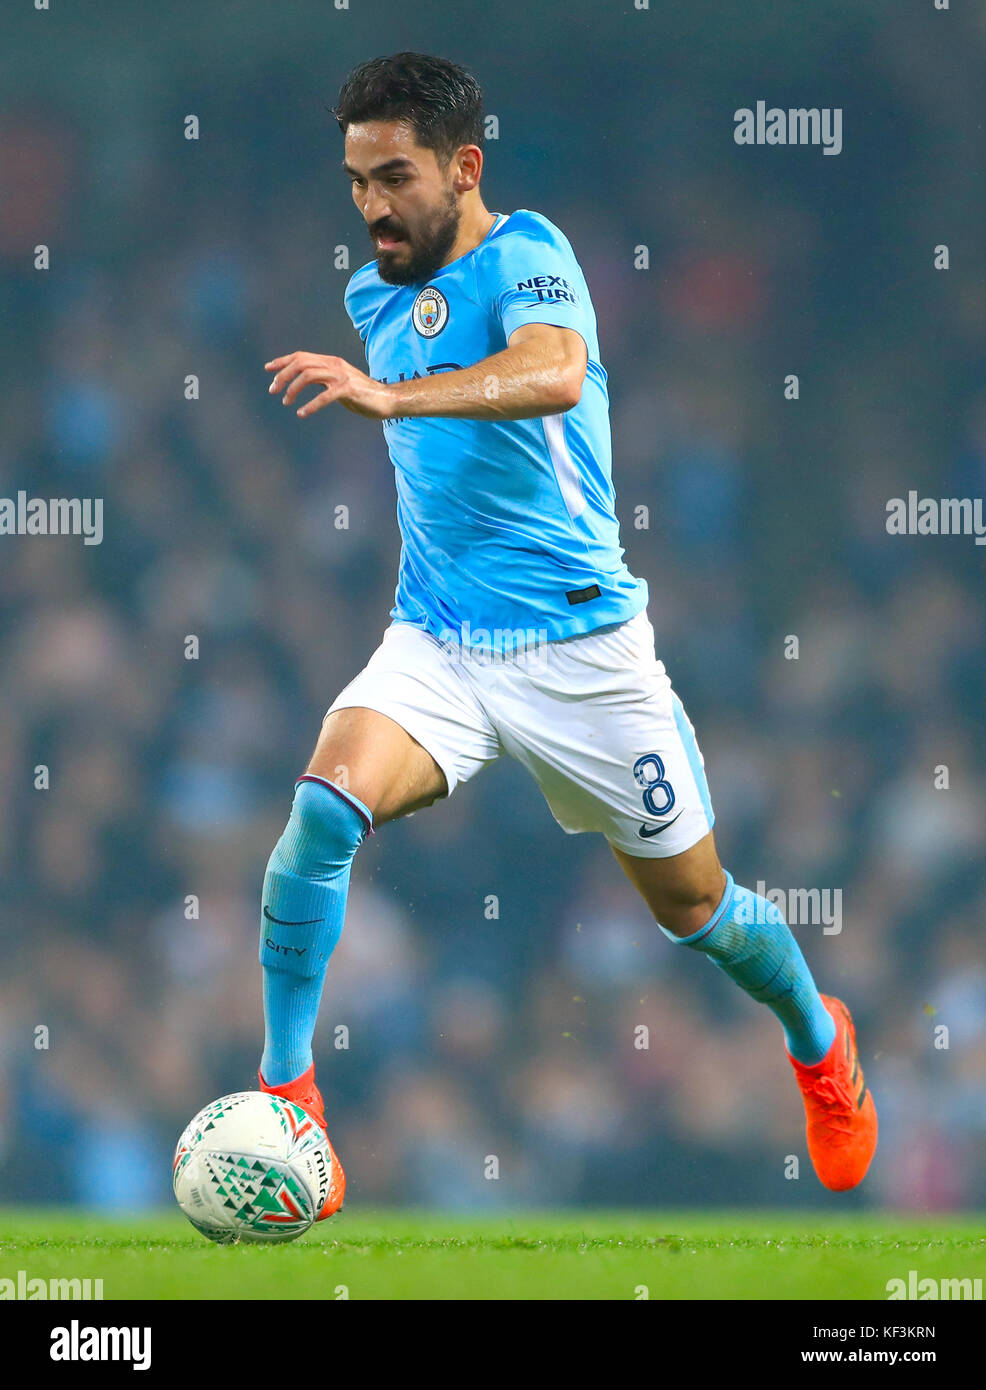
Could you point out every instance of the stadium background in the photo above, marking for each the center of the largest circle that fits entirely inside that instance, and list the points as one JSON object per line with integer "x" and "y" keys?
{"x": 170, "y": 777}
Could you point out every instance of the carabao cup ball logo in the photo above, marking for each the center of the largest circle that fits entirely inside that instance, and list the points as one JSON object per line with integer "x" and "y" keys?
{"x": 430, "y": 312}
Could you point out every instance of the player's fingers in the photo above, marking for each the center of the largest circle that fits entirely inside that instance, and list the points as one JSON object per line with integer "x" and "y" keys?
{"x": 287, "y": 374}
{"x": 307, "y": 377}
{"x": 294, "y": 362}
{"x": 278, "y": 365}
{"x": 318, "y": 402}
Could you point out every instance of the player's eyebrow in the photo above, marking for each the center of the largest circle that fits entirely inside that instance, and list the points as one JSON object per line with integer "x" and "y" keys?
{"x": 389, "y": 166}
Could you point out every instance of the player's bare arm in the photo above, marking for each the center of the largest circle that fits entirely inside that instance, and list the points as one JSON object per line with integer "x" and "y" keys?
{"x": 540, "y": 372}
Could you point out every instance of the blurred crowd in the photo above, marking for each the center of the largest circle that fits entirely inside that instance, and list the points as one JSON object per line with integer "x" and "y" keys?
{"x": 496, "y": 979}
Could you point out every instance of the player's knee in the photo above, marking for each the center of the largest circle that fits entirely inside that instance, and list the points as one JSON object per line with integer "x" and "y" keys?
{"x": 324, "y": 831}
{"x": 686, "y": 908}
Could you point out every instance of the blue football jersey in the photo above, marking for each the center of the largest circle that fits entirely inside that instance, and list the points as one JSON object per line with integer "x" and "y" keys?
{"x": 508, "y": 526}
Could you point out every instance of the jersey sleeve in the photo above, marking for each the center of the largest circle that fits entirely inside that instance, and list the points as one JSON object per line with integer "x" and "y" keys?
{"x": 359, "y": 301}
{"x": 531, "y": 276}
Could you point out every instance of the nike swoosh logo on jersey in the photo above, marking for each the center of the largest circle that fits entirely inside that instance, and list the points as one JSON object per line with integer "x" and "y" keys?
{"x": 647, "y": 832}
{"x": 282, "y": 922}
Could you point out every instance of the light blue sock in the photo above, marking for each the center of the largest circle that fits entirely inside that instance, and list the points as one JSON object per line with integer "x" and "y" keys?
{"x": 304, "y": 903}
{"x": 748, "y": 938}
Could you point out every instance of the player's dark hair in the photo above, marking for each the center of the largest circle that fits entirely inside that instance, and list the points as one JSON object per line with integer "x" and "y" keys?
{"x": 442, "y": 101}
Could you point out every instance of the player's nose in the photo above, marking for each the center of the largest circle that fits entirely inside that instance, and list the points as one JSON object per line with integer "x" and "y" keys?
{"x": 375, "y": 209}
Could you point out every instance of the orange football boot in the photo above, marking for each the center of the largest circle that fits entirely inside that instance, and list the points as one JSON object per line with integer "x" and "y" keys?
{"x": 842, "y": 1127}
{"x": 305, "y": 1093}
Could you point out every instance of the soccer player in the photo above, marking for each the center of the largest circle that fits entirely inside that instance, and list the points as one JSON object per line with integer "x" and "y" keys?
{"x": 517, "y": 627}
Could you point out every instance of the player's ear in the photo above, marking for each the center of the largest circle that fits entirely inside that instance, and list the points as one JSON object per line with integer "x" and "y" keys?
{"x": 467, "y": 168}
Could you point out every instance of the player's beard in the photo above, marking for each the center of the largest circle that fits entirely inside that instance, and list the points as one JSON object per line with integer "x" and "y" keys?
{"x": 427, "y": 247}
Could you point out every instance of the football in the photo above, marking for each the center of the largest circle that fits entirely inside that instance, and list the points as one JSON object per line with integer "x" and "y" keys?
{"x": 252, "y": 1167}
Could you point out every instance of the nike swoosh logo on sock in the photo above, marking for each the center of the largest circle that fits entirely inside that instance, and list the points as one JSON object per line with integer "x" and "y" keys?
{"x": 283, "y": 922}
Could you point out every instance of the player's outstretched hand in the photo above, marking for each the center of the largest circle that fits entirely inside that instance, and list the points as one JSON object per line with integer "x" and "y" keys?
{"x": 339, "y": 379}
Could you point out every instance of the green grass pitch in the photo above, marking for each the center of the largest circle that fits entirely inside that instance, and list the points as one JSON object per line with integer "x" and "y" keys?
{"x": 385, "y": 1254}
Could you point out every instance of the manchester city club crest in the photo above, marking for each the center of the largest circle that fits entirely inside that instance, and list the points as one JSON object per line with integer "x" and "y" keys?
{"x": 430, "y": 312}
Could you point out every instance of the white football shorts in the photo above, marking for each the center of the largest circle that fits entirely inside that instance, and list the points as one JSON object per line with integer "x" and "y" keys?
{"x": 593, "y": 718}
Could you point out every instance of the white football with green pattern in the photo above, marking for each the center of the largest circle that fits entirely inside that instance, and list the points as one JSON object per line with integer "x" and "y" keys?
{"x": 252, "y": 1167}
